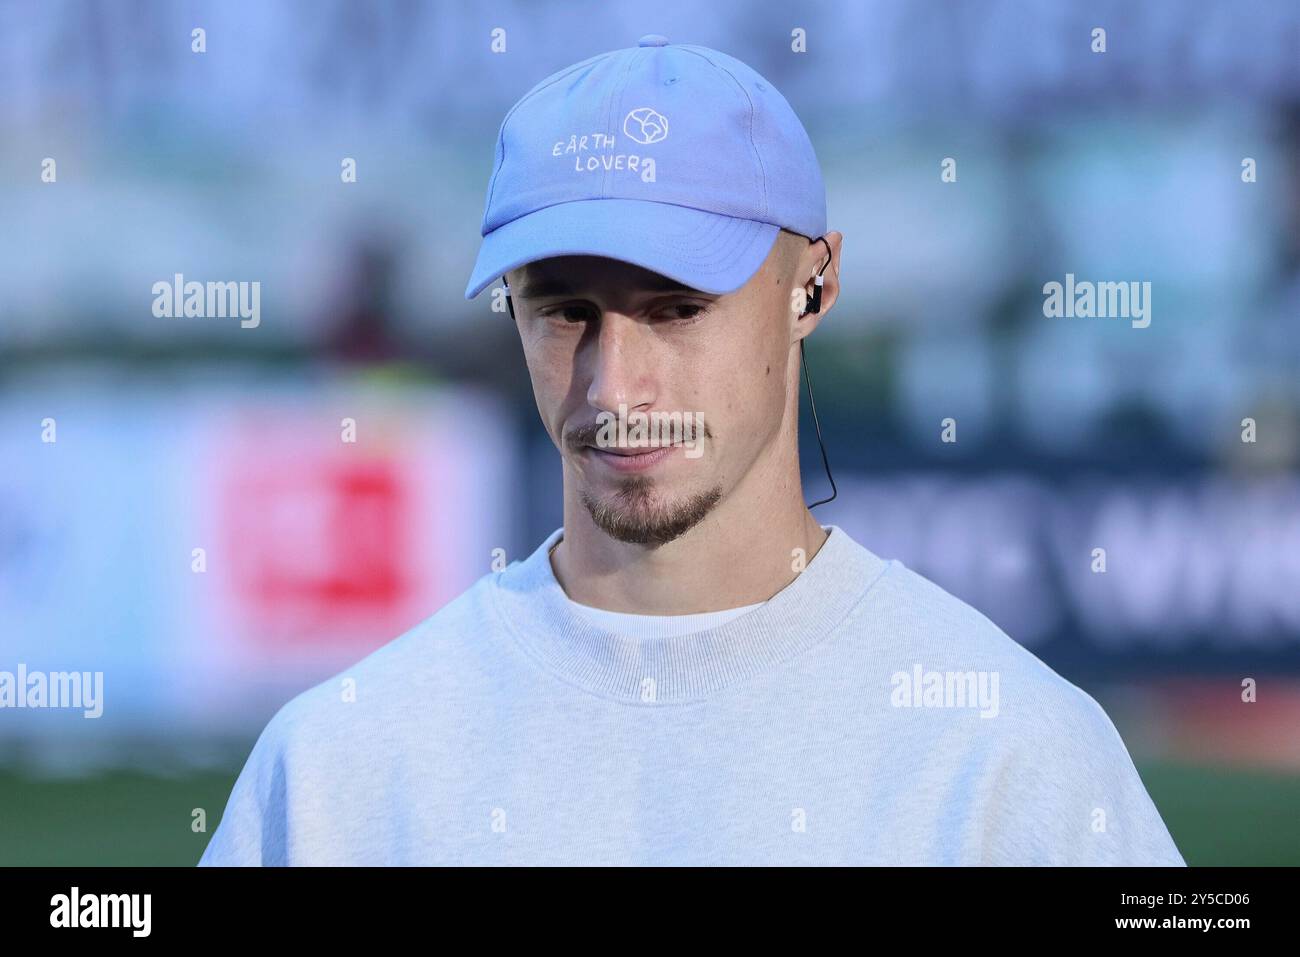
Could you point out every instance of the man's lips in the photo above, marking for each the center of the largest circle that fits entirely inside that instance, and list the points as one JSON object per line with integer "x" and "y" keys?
{"x": 622, "y": 459}
{"x": 633, "y": 450}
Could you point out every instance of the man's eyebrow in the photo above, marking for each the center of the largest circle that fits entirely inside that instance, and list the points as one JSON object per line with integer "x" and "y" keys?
{"x": 544, "y": 286}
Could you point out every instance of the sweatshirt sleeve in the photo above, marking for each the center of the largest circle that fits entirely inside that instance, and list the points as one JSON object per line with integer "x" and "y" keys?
{"x": 253, "y": 828}
{"x": 1074, "y": 796}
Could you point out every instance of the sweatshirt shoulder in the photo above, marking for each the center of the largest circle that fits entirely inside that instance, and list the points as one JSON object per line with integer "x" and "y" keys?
{"x": 1069, "y": 790}
{"x": 421, "y": 666}
{"x": 944, "y": 642}
{"x": 352, "y": 722}
{"x": 936, "y": 628}
{"x": 423, "y": 649}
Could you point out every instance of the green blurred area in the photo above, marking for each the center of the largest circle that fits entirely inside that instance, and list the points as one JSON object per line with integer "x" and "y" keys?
{"x": 1216, "y": 816}
{"x": 119, "y": 818}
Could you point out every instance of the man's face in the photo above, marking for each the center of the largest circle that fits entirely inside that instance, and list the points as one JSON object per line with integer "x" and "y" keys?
{"x": 704, "y": 378}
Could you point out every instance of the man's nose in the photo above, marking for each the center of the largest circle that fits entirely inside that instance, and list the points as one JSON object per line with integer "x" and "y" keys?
{"x": 621, "y": 363}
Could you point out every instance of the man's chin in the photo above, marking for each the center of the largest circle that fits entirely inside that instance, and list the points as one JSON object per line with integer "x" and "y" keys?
{"x": 633, "y": 514}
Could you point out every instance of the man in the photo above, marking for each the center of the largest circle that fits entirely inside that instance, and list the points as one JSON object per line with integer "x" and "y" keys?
{"x": 692, "y": 670}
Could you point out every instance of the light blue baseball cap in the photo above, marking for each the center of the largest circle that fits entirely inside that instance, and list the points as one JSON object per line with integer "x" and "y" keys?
{"x": 674, "y": 157}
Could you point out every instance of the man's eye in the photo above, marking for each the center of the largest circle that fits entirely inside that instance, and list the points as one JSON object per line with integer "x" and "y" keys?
{"x": 686, "y": 312}
{"x": 569, "y": 313}
{"x": 683, "y": 313}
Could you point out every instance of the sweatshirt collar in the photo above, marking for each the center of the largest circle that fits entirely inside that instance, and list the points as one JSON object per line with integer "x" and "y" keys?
{"x": 677, "y": 669}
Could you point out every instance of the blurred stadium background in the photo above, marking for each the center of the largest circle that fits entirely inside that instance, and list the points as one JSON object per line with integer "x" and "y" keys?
{"x": 183, "y": 433}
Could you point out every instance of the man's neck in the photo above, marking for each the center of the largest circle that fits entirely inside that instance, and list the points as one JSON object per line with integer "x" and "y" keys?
{"x": 735, "y": 556}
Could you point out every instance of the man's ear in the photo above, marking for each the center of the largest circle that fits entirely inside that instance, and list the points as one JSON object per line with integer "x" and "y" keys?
{"x": 831, "y": 274}
{"x": 815, "y": 259}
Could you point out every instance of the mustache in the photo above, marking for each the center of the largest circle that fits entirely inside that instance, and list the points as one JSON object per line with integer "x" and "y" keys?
{"x": 581, "y": 436}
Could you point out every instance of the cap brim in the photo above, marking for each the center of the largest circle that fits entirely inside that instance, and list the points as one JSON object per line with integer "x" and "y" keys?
{"x": 706, "y": 251}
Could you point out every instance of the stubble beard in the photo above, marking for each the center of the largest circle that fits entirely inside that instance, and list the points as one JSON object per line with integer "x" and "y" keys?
{"x": 631, "y": 514}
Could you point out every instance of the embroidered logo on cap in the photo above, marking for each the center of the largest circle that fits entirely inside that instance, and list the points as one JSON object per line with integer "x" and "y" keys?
{"x": 645, "y": 125}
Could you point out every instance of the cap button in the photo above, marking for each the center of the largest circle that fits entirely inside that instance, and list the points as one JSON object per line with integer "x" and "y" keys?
{"x": 652, "y": 40}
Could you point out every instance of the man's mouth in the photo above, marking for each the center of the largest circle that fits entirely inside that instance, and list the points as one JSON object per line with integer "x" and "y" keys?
{"x": 631, "y": 459}
{"x": 633, "y": 450}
